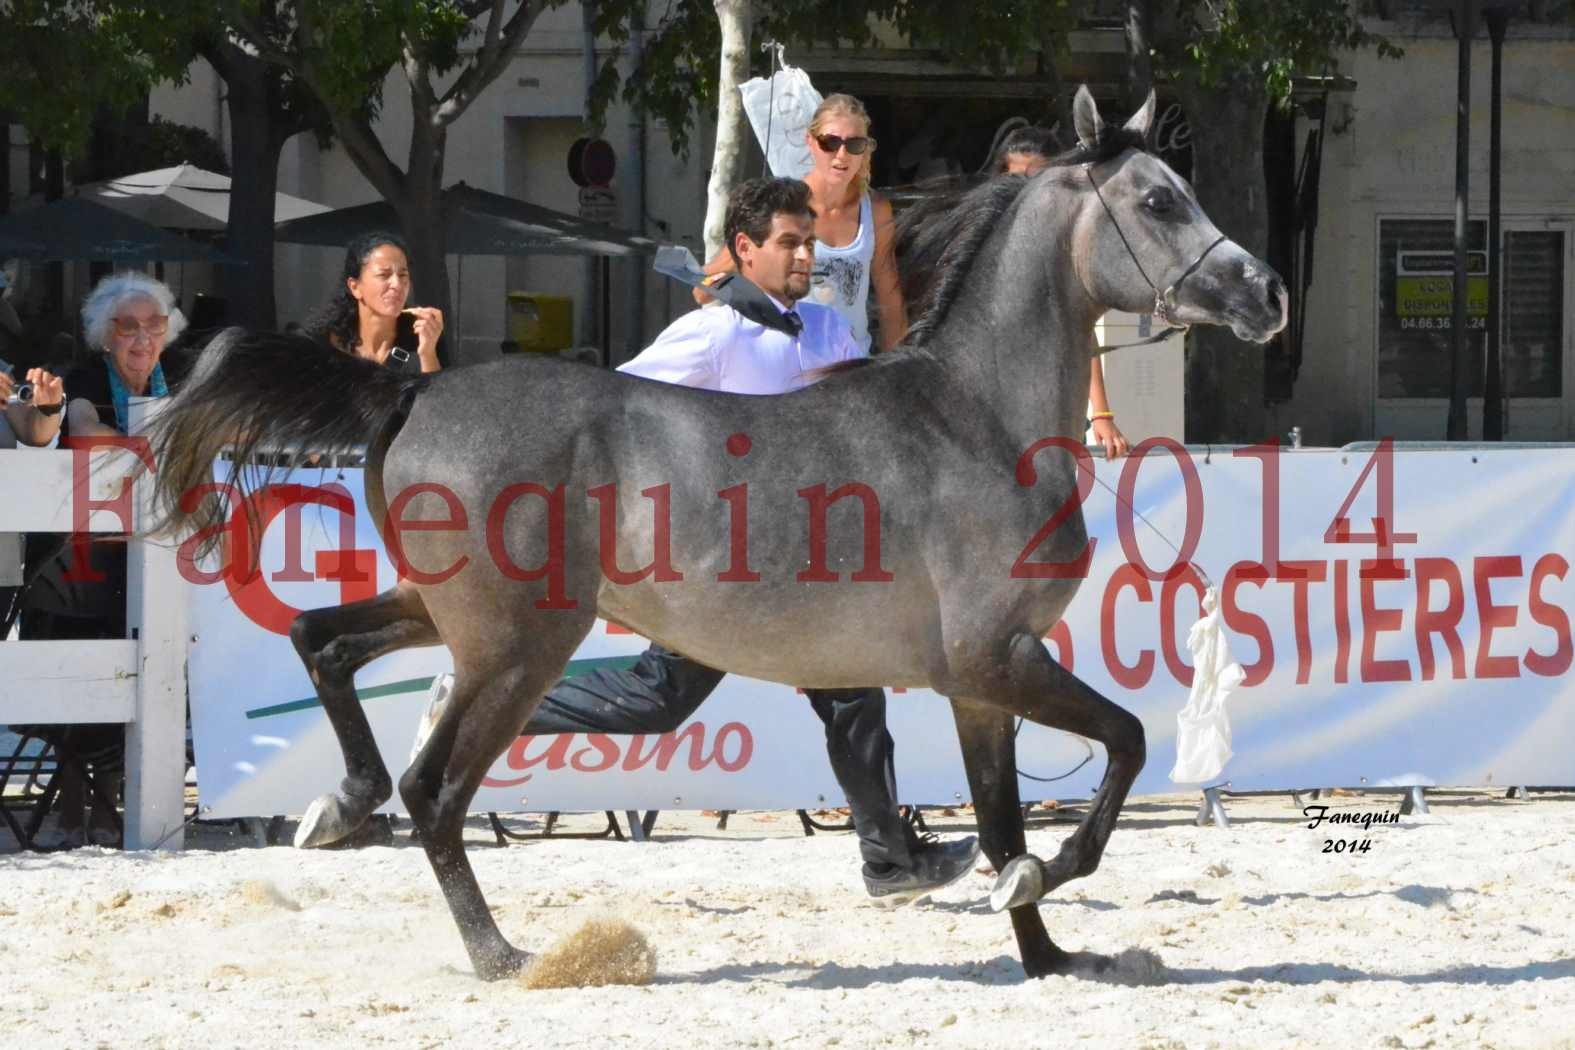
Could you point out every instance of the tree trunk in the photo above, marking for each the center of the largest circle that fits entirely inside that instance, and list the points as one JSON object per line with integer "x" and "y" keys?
{"x": 1061, "y": 99}
{"x": 255, "y": 144}
{"x": 1140, "y": 69}
{"x": 727, "y": 162}
{"x": 55, "y": 189}
{"x": 420, "y": 209}
{"x": 5, "y": 165}
{"x": 1224, "y": 387}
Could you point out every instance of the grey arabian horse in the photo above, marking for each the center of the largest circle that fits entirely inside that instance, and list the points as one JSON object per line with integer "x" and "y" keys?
{"x": 904, "y": 523}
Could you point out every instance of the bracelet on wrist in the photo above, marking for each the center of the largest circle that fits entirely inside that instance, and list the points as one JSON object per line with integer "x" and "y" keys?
{"x": 1097, "y": 416}
{"x": 50, "y": 410}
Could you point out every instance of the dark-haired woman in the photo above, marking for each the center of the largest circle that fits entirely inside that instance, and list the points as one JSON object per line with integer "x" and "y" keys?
{"x": 362, "y": 317}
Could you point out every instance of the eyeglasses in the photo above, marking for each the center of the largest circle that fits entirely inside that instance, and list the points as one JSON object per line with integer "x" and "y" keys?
{"x": 128, "y": 329}
{"x": 855, "y": 145}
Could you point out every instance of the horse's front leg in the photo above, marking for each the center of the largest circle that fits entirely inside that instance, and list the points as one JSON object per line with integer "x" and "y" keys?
{"x": 334, "y": 644}
{"x": 990, "y": 757}
{"x": 1033, "y": 685}
{"x": 483, "y": 716}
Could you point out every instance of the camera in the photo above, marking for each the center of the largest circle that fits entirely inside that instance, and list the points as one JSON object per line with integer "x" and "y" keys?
{"x": 23, "y": 391}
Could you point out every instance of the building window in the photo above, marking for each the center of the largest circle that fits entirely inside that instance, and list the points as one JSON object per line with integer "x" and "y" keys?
{"x": 1533, "y": 312}
{"x": 1416, "y": 303}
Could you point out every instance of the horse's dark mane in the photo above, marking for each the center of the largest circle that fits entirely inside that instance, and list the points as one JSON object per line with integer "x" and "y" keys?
{"x": 937, "y": 240}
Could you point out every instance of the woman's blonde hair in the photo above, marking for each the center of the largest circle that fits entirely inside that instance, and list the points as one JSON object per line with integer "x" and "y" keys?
{"x": 846, "y": 106}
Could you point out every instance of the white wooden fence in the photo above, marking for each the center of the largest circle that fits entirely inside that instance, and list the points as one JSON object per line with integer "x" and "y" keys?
{"x": 140, "y": 681}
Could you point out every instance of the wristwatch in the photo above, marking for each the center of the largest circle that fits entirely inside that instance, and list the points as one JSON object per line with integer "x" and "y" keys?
{"x": 51, "y": 410}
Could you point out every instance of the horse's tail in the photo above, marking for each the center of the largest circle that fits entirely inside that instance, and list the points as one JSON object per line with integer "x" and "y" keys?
{"x": 265, "y": 393}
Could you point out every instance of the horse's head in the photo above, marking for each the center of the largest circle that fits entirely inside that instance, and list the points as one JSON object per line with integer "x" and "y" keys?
{"x": 1143, "y": 244}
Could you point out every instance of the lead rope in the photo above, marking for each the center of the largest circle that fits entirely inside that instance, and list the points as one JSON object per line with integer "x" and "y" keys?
{"x": 1211, "y": 680}
{"x": 1203, "y": 737}
{"x": 1203, "y": 734}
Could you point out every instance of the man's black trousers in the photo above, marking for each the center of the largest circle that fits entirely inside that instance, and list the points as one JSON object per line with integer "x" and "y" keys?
{"x": 663, "y": 689}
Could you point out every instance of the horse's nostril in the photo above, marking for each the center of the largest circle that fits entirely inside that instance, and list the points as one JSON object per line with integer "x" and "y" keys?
{"x": 1274, "y": 291}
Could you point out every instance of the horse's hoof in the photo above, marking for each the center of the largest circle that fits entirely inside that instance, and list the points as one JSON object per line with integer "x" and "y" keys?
{"x": 1022, "y": 881}
{"x": 1049, "y": 962}
{"x": 510, "y": 963}
{"x": 325, "y": 822}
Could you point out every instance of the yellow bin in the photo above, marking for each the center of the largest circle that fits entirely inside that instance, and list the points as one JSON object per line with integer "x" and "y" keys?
{"x": 541, "y": 322}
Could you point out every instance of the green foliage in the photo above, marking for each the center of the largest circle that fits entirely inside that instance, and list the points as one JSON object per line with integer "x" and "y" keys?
{"x": 134, "y": 147}
{"x": 679, "y": 72}
{"x": 351, "y": 45}
{"x": 1213, "y": 41}
{"x": 1218, "y": 41}
{"x": 61, "y": 61}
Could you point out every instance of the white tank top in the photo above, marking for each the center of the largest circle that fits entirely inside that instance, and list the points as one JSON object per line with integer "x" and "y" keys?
{"x": 842, "y": 276}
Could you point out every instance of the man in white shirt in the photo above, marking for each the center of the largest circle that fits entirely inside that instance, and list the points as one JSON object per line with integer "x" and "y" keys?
{"x": 722, "y": 349}
{"x": 760, "y": 339}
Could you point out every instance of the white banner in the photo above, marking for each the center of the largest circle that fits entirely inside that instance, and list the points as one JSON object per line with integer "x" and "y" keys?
{"x": 1415, "y": 629}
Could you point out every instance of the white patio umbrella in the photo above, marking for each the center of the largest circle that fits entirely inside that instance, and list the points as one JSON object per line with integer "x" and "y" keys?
{"x": 184, "y": 197}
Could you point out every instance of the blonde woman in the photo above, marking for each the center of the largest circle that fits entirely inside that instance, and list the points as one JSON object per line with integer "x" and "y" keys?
{"x": 854, "y": 236}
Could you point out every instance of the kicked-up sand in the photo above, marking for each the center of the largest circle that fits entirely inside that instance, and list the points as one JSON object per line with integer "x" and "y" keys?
{"x": 1454, "y": 929}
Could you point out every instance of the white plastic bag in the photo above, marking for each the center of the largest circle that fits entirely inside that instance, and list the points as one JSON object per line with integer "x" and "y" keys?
{"x": 782, "y": 107}
{"x": 1202, "y": 727}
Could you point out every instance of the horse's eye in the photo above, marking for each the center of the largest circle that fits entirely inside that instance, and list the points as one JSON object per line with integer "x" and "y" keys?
{"x": 1159, "y": 201}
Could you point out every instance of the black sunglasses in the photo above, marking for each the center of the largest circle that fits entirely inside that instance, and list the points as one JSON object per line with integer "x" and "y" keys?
{"x": 856, "y": 145}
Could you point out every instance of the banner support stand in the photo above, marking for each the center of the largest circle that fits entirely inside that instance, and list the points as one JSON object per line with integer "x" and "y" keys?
{"x": 1212, "y": 808}
{"x": 1415, "y": 802}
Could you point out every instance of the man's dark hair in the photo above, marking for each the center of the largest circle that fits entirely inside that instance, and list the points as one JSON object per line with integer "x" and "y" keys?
{"x": 1031, "y": 140}
{"x": 752, "y": 204}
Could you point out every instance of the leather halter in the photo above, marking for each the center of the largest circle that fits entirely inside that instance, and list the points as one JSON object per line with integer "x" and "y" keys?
{"x": 1164, "y": 301}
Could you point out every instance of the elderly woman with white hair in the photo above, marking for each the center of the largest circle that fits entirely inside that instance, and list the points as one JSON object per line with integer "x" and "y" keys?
{"x": 129, "y": 318}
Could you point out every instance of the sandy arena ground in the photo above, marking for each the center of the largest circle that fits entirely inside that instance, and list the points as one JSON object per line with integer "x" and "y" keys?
{"x": 1455, "y": 929}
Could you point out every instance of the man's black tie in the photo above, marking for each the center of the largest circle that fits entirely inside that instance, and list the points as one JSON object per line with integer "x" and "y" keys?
{"x": 794, "y": 323}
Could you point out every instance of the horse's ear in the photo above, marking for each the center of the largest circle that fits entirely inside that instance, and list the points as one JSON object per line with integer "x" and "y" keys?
{"x": 1086, "y": 119}
{"x": 1143, "y": 120}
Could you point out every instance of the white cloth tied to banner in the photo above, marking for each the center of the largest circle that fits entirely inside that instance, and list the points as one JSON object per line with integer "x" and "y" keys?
{"x": 1202, "y": 727}
{"x": 780, "y": 110}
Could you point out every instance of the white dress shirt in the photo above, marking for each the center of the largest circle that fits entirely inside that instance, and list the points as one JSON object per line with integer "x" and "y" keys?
{"x": 716, "y": 348}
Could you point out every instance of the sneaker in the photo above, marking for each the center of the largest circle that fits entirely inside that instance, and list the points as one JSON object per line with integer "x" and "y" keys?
{"x": 936, "y": 864}
{"x": 437, "y": 697}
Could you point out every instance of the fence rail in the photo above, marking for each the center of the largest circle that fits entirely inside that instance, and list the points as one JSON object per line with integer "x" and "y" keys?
{"x": 139, "y": 681}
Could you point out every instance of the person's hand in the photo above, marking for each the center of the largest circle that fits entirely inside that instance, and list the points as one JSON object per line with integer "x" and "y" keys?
{"x": 7, "y": 386}
{"x": 48, "y": 389}
{"x": 1109, "y": 435}
{"x": 429, "y": 326}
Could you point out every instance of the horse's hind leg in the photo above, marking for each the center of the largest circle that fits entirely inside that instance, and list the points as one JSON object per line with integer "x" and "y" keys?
{"x": 334, "y": 643}
{"x": 1043, "y": 691}
{"x": 990, "y": 756}
{"x": 484, "y": 714}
